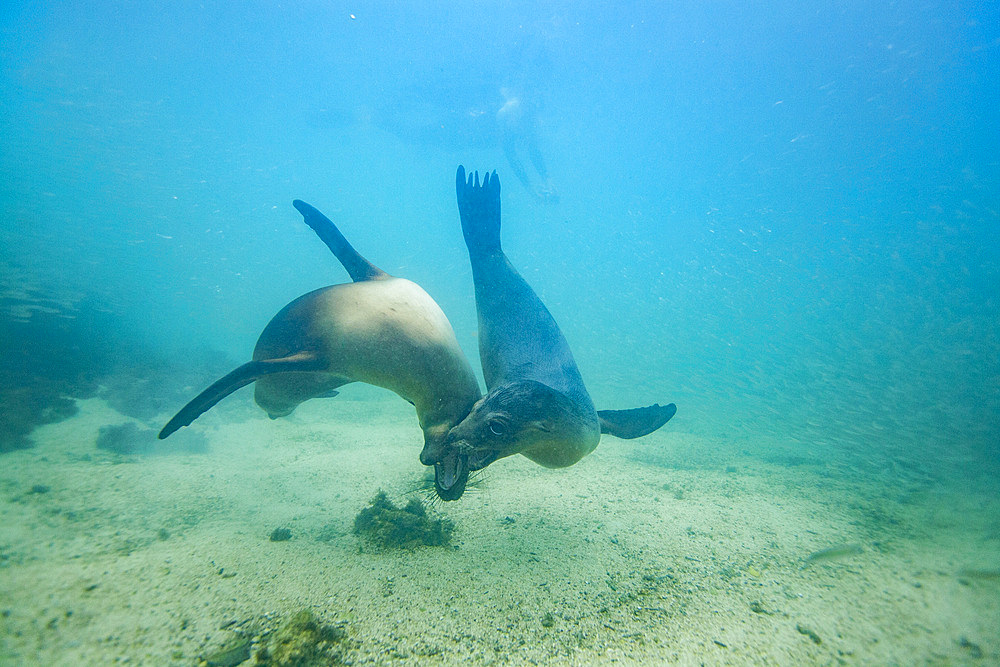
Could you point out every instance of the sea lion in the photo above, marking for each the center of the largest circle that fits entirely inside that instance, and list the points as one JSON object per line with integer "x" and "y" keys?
{"x": 537, "y": 404}
{"x": 379, "y": 329}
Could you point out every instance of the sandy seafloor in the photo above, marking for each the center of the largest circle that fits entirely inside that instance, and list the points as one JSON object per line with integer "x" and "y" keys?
{"x": 668, "y": 549}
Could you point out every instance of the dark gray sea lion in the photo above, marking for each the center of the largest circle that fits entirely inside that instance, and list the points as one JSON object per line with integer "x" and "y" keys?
{"x": 378, "y": 329}
{"x": 537, "y": 404}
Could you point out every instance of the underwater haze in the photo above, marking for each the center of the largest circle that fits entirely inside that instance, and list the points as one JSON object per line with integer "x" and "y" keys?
{"x": 784, "y": 217}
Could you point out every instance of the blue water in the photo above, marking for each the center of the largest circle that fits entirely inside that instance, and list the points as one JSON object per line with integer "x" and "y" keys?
{"x": 784, "y": 217}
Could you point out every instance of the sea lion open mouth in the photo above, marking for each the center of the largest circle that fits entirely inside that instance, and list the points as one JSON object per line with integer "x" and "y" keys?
{"x": 450, "y": 476}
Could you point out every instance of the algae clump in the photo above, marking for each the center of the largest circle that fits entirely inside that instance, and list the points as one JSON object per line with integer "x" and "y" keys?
{"x": 385, "y": 525}
{"x": 302, "y": 642}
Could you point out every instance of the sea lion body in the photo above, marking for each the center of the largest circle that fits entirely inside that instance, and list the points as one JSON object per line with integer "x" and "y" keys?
{"x": 537, "y": 404}
{"x": 380, "y": 330}
{"x": 389, "y": 333}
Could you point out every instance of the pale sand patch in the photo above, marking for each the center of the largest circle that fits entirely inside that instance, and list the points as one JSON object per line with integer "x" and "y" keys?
{"x": 645, "y": 552}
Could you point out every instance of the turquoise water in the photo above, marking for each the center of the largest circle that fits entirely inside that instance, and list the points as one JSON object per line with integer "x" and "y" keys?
{"x": 783, "y": 217}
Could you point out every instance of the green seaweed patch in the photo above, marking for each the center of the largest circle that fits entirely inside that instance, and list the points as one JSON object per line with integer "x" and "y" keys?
{"x": 808, "y": 632}
{"x": 303, "y": 641}
{"x": 281, "y": 535}
{"x": 387, "y": 526}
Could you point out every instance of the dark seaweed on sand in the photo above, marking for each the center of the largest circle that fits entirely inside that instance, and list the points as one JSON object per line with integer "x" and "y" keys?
{"x": 129, "y": 438}
{"x": 385, "y": 525}
{"x": 56, "y": 347}
{"x": 124, "y": 438}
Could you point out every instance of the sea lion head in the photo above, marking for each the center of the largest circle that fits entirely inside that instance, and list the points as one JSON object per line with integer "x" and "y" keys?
{"x": 524, "y": 417}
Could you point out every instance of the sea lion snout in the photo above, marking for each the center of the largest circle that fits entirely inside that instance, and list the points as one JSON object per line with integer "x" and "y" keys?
{"x": 431, "y": 453}
{"x": 451, "y": 466}
{"x": 475, "y": 457}
{"x": 451, "y": 475}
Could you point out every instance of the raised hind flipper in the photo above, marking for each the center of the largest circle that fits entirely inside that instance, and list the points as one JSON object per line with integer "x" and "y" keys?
{"x": 479, "y": 209}
{"x": 636, "y": 422}
{"x": 357, "y": 266}
{"x": 241, "y": 377}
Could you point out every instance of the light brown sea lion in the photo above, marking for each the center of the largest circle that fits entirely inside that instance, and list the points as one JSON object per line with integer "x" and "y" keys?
{"x": 378, "y": 329}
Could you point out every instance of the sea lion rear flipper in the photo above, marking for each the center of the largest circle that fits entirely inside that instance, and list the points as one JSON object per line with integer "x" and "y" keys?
{"x": 241, "y": 377}
{"x": 479, "y": 209}
{"x": 636, "y": 422}
{"x": 357, "y": 266}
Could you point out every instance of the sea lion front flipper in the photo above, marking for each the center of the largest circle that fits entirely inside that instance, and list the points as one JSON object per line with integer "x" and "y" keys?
{"x": 636, "y": 422}
{"x": 357, "y": 266}
{"x": 241, "y": 377}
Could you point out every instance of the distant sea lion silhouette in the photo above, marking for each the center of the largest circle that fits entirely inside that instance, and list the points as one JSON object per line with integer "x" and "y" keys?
{"x": 537, "y": 404}
{"x": 378, "y": 329}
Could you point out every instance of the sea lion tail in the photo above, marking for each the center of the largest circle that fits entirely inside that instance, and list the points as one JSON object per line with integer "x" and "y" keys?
{"x": 241, "y": 377}
{"x": 636, "y": 422}
{"x": 479, "y": 208}
{"x": 357, "y": 266}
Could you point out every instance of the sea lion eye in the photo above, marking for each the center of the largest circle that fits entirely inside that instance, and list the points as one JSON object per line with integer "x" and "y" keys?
{"x": 497, "y": 427}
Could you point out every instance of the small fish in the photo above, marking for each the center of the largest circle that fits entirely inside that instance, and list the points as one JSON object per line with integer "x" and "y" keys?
{"x": 833, "y": 553}
{"x": 982, "y": 574}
